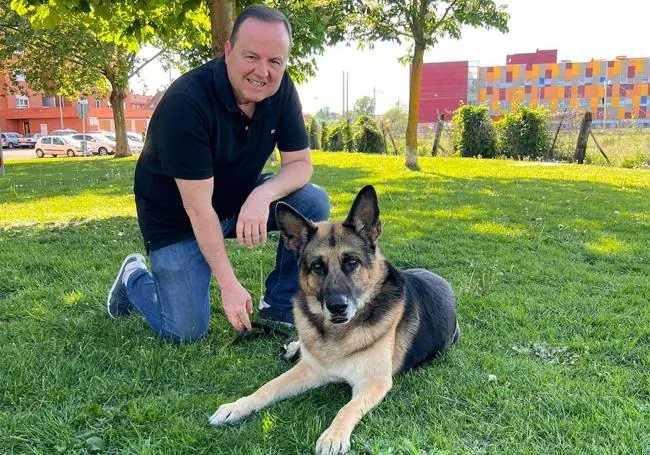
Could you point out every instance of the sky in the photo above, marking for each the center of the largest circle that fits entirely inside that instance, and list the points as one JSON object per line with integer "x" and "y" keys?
{"x": 579, "y": 29}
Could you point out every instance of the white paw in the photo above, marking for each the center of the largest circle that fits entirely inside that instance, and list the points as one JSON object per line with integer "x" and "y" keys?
{"x": 230, "y": 413}
{"x": 333, "y": 442}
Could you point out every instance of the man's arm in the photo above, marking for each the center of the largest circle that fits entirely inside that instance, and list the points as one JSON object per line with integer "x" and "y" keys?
{"x": 295, "y": 172}
{"x": 197, "y": 201}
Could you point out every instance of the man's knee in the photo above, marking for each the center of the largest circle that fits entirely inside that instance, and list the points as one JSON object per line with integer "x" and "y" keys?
{"x": 316, "y": 202}
{"x": 186, "y": 331}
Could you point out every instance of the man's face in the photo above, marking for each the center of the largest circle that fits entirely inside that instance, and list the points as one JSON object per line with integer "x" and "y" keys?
{"x": 257, "y": 60}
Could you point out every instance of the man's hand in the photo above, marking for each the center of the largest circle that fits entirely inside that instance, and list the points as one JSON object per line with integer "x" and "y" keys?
{"x": 253, "y": 216}
{"x": 237, "y": 304}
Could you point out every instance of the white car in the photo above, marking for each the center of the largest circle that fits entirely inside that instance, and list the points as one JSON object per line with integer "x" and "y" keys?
{"x": 57, "y": 145}
{"x": 135, "y": 146}
{"x": 96, "y": 143}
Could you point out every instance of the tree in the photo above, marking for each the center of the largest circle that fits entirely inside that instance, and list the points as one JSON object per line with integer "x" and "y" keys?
{"x": 67, "y": 59}
{"x": 194, "y": 31}
{"x": 324, "y": 115}
{"x": 314, "y": 137}
{"x": 423, "y": 23}
{"x": 396, "y": 118}
{"x": 364, "y": 106}
{"x": 324, "y": 134}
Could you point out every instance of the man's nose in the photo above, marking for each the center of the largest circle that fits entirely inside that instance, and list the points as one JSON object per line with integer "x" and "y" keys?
{"x": 262, "y": 69}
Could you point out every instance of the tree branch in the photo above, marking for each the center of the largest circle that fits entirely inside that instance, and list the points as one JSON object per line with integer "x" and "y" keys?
{"x": 135, "y": 71}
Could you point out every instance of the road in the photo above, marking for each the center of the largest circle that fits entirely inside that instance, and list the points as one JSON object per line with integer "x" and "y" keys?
{"x": 17, "y": 154}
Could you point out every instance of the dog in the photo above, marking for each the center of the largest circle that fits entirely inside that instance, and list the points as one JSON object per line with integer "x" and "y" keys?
{"x": 359, "y": 319}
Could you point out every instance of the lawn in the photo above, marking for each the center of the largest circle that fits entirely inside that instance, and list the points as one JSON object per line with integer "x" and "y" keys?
{"x": 550, "y": 263}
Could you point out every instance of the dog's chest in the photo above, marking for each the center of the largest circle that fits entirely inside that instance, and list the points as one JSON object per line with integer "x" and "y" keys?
{"x": 375, "y": 360}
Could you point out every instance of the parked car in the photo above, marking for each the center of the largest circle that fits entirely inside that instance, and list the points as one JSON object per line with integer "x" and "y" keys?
{"x": 10, "y": 139}
{"x": 63, "y": 132}
{"x": 57, "y": 145}
{"x": 136, "y": 137}
{"x": 29, "y": 140}
{"x": 96, "y": 143}
{"x": 135, "y": 146}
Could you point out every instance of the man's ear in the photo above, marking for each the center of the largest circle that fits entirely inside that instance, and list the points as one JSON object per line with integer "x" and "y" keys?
{"x": 227, "y": 50}
{"x": 296, "y": 230}
{"x": 364, "y": 214}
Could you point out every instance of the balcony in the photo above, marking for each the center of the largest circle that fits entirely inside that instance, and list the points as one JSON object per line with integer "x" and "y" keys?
{"x": 23, "y": 113}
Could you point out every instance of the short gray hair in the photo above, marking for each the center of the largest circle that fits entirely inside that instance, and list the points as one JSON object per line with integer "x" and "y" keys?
{"x": 262, "y": 13}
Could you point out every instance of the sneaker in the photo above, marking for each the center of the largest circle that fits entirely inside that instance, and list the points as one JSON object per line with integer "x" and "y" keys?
{"x": 118, "y": 303}
{"x": 271, "y": 315}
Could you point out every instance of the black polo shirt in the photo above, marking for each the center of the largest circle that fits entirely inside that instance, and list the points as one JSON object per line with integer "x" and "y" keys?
{"x": 197, "y": 132}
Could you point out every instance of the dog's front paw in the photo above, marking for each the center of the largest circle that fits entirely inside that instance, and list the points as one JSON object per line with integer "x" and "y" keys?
{"x": 333, "y": 442}
{"x": 231, "y": 412}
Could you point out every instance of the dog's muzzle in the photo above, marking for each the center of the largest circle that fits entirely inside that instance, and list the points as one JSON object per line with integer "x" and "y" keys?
{"x": 340, "y": 308}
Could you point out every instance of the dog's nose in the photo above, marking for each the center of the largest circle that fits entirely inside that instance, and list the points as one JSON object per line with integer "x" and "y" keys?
{"x": 337, "y": 305}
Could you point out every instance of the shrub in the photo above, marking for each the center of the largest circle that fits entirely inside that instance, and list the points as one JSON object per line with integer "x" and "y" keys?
{"x": 524, "y": 133}
{"x": 473, "y": 132}
{"x": 347, "y": 136}
{"x": 335, "y": 141}
{"x": 367, "y": 137}
{"x": 314, "y": 138}
{"x": 324, "y": 132}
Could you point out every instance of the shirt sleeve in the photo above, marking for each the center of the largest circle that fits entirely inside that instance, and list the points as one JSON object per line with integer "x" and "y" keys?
{"x": 182, "y": 138}
{"x": 291, "y": 135}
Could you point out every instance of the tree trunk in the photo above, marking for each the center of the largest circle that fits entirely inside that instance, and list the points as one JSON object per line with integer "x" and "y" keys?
{"x": 414, "y": 104}
{"x": 222, "y": 13}
{"x": 118, "y": 94}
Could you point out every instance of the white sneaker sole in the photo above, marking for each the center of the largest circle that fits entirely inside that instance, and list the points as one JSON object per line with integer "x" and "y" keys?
{"x": 117, "y": 279}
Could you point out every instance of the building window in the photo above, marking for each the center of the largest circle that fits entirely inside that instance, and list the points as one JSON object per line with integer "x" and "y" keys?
{"x": 22, "y": 101}
{"x": 98, "y": 103}
{"x": 49, "y": 101}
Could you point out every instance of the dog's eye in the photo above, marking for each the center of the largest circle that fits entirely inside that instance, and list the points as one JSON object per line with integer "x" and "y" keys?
{"x": 318, "y": 268}
{"x": 350, "y": 263}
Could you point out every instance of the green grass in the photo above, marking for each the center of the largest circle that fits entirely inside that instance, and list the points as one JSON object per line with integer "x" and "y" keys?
{"x": 551, "y": 265}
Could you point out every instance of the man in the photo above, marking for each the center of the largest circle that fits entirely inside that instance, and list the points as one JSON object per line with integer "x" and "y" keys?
{"x": 199, "y": 181}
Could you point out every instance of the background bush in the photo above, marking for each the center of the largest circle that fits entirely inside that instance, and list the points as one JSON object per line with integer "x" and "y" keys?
{"x": 473, "y": 132}
{"x": 314, "y": 137}
{"x": 524, "y": 133}
{"x": 367, "y": 137}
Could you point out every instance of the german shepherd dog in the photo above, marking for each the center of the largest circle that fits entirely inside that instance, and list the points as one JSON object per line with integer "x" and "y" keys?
{"x": 359, "y": 319}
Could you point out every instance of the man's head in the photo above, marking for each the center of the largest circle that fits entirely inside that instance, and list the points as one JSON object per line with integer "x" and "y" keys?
{"x": 257, "y": 53}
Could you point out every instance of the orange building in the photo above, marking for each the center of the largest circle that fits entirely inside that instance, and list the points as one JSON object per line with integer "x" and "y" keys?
{"x": 39, "y": 113}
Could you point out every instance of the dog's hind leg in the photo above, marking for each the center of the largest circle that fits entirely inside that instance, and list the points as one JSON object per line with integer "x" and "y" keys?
{"x": 298, "y": 379}
{"x": 336, "y": 439}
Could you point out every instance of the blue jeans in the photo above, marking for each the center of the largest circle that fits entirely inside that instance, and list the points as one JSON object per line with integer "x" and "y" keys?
{"x": 174, "y": 297}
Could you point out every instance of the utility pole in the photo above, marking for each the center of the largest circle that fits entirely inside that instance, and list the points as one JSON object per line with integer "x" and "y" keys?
{"x": 2, "y": 161}
{"x": 343, "y": 104}
{"x": 61, "y": 110}
{"x": 346, "y": 93}
{"x": 605, "y": 104}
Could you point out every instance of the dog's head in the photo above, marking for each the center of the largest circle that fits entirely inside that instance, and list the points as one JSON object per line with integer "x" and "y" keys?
{"x": 340, "y": 265}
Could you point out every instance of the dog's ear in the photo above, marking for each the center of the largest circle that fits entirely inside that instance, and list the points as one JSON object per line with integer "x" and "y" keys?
{"x": 295, "y": 229}
{"x": 364, "y": 214}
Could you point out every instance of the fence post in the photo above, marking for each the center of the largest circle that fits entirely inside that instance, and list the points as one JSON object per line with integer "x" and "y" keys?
{"x": 583, "y": 137}
{"x": 436, "y": 141}
{"x": 599, "y": 147}
{"x": 557, "y": 132}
